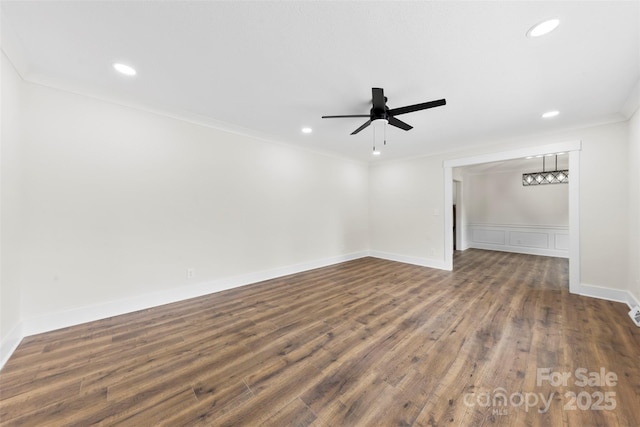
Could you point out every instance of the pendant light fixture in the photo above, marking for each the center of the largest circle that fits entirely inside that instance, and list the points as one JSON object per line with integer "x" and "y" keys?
{"x": 546, "y": 177}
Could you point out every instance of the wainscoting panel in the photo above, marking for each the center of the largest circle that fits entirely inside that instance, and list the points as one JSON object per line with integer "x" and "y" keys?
{"x": 491, "y": 237}
{"x": 562, "y": 241}
{"x": 526, "y": 239}
{"x": 529, "y": 239}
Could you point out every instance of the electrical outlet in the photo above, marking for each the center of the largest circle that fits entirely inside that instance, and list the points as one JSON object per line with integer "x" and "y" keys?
{"x": 191, "y": 273}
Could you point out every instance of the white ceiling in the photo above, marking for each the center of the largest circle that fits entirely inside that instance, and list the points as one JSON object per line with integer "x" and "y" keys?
{"x": 269, "y": 68}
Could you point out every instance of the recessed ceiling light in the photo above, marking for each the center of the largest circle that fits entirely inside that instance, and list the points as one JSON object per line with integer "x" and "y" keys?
{"x": 550, "y": 114}
{"x": 124, "y": 69}
{"x": 307, "y": 130}
{"x": 542, "y": 28}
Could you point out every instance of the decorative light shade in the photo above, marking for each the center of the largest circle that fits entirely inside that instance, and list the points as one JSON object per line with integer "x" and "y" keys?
{"x": 379, "y": 133}
{"x": 546, "y": 177}
{"x": 542, "y": 178}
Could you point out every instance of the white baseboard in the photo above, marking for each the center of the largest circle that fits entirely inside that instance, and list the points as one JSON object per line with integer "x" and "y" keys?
{"x": 76, "y": 316}
{"x": 609, "y": 294}
{"x": 519, "y": 250}
{"x": 53, "y": 321}
{"x": 10, "y": 343}
{"x": 423, "y": 262}
{"x": 632, "y": 300}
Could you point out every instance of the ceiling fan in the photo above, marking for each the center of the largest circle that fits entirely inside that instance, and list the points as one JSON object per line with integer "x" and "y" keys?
{"x": 380, "y": 111}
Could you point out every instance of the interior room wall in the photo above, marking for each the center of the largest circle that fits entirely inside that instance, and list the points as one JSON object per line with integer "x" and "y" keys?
{"x": 10, "y": 207}
{"x": 407, "y": 208}
{"x": 500, "y": 198}
{"x": 634, "y": 206}
{"x": 504, "y": 215}
{"x": 604, "y": 233}
{"x": 405, "y": 195}
{"x": 120, "y": 202}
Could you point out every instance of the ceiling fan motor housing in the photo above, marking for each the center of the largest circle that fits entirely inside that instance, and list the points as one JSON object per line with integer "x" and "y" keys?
{"x": 378, "y": 114}
{"x": 380, "y": 111}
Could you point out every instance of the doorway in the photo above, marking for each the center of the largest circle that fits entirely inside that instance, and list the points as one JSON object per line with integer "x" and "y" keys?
{"x": 573, "y": 148}
{"x": 456, "y": 217}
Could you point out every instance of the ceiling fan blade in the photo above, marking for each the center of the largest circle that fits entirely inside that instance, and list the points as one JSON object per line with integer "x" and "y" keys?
{"x": 367, "y": 123}
{"x": 378, "y": 98}
{"x": 399, "y": 123}
{"x": 352, "y": 115}
{"x": 417, "y": 107}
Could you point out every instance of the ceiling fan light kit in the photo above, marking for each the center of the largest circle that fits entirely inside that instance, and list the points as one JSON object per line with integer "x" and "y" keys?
{"x": 380, "y": 114}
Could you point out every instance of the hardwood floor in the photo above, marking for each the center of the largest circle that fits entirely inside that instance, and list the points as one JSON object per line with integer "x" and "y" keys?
{"x": 364, "y": 343}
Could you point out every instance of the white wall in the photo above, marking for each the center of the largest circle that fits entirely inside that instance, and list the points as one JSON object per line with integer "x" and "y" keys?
{"x": 504, "y": 215}
{"x": 604, "y": 206}
{"x": 407, "y": 207}
{"x": 11, "y": 205}
{"x": 120, "y": 202}
{"x": 634, "y": 206}
{"x": 500, "y": 198}
{"x": 396, "y": 186}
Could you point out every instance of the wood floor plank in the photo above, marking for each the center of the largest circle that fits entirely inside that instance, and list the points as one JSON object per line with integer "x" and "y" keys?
{"x": 362, "y": 343}
{"x": 295, "y": 414}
